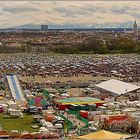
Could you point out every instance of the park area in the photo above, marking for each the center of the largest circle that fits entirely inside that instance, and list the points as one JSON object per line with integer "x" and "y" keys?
{"x": 9, "y": 123}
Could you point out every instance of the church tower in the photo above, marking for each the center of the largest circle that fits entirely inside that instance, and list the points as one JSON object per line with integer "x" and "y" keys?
{"x": 135, "y": 28}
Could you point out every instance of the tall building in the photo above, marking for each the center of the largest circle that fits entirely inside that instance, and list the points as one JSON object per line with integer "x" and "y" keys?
{"x": 135, "y": 28}
{"x": 44, "y": 27}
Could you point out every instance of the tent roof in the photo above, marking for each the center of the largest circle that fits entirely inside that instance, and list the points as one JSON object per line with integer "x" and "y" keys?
{"x": 104, "y": 135}
{"x": 117, "y": 87}
{"x": 69, "y": 100}
{"x": 88, "y": 99}
{"x": 80, "y": 100}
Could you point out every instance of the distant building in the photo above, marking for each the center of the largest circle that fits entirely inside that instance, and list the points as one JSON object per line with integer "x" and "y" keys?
{"x": 135, "y": 28}
{"x": 44, "y": 27}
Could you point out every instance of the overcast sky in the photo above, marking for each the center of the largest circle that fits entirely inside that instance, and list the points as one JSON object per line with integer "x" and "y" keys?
{"x": 70, "y": 12}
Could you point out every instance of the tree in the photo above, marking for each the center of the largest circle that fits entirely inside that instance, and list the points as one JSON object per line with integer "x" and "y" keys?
{"x": 103, "y": 49}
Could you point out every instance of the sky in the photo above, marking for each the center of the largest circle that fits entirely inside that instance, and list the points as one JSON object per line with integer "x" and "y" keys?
{"x": 86, "y": 13}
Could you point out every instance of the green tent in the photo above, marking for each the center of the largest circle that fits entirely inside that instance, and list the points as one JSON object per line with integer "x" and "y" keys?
{"x": 43, "y": 102}
{"x": 31, "y": 102}
{"x": 46, "y": 93}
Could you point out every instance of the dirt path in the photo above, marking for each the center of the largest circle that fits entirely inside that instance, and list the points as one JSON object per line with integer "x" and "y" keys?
{"x": 82, "y": 78}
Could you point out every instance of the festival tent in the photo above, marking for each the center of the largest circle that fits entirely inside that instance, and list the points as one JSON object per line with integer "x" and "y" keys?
{"x": 46, "y": 93}
{"x": 38, "y": 101}
{"x": 117, "y": 87}
{"x": 104, "y": 135}
{"x": 65, "y": 103}
{"x": 80, "y": 101}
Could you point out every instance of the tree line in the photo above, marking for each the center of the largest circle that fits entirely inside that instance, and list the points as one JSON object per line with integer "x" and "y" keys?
{"x": 93, "y": 45}
{"x": 96, "y": 45}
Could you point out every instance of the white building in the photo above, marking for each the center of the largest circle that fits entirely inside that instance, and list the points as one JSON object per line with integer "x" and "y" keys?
{"x": 116, "y": 87}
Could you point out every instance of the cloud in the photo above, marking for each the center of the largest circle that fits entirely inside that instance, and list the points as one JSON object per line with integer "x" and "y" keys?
{"x": 68, "y": 12}
{"x": 120, "y": 10}
{"x": 20, "y": 9}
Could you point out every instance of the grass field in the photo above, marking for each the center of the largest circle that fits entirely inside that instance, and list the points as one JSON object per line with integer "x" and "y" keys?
{"x": 17, "y": 123}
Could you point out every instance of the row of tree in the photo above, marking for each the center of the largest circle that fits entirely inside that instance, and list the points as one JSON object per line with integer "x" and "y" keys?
{"x": 95, "y": 45}
{"x": 9, "y": 49}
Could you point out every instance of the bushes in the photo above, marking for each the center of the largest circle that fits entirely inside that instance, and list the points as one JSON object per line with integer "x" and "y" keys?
{"x": 96, "y": 45}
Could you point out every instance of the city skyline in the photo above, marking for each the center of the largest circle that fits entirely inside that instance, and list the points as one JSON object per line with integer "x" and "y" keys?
{"x": 70, "y": 13}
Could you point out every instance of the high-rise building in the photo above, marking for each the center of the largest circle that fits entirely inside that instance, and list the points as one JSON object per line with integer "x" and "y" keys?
{"x": 44, "y": 27}
{"x": 135, "y": 28}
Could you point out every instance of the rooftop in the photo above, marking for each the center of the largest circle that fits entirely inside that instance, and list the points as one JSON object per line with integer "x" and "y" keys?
{"x": 117, "y": 87}
{"x": 80, "y": 100}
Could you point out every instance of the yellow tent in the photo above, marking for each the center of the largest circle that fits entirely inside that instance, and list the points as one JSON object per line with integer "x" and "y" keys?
{"x": 1, "y": 98}
{"x": 104, "y": 135}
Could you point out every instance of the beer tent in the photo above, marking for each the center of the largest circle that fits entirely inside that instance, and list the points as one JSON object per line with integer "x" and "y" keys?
{"x": 104, "y": 135}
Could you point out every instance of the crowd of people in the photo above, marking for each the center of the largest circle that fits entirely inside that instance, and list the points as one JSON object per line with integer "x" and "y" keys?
{"x": 125, "y": 66}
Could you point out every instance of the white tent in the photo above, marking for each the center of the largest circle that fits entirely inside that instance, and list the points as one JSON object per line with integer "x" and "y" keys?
{"x": 117, "y": 87}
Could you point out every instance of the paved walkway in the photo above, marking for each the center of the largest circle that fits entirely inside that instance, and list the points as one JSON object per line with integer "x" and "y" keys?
{"x": 74, "y": 120}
